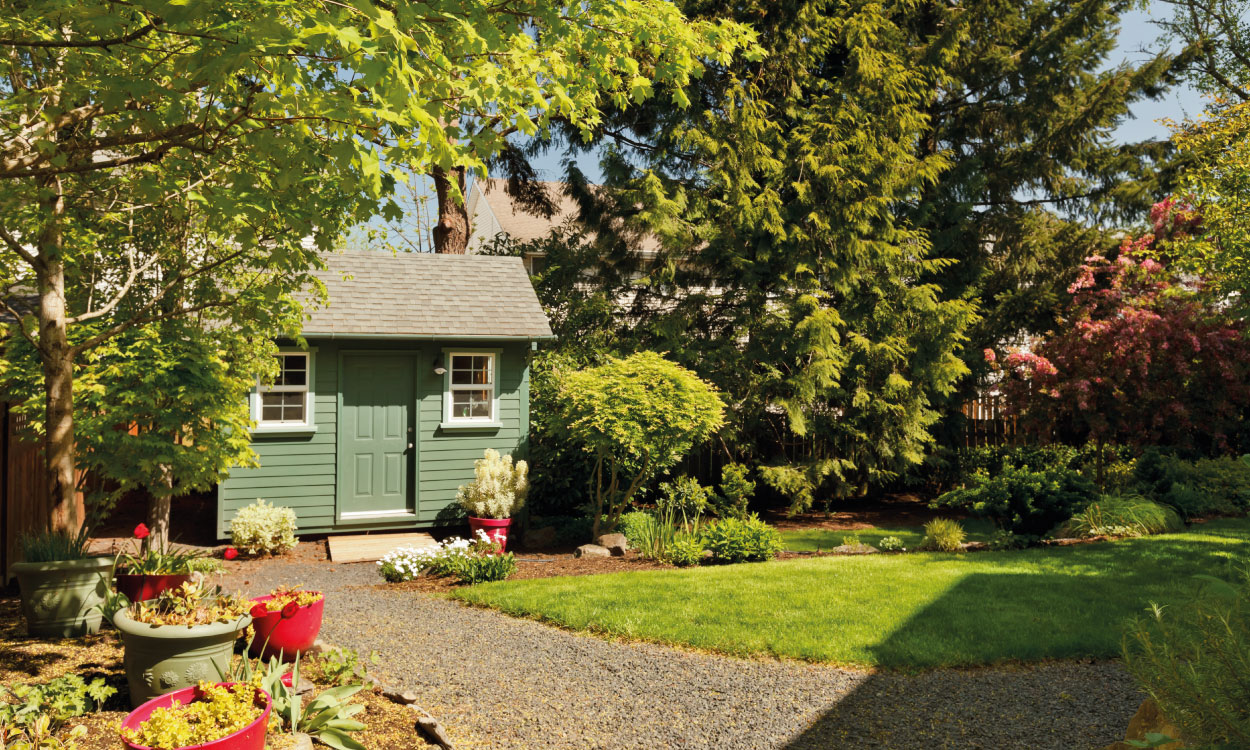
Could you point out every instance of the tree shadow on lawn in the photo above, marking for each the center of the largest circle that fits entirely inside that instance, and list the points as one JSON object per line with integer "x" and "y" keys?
{"x": 1047, "y": 616}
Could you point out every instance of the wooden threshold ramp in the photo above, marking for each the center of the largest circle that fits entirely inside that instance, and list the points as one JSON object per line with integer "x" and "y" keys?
{"x": 370, "y": 547}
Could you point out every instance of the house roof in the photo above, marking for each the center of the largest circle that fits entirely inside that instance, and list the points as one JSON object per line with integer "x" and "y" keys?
{"x": 519, "y": 224}
{"x": 424, "y": 295}
{"x": 516, "y": 221}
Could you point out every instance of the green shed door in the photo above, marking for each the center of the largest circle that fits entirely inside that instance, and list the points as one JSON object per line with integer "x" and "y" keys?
{"x": 377, "y": 460}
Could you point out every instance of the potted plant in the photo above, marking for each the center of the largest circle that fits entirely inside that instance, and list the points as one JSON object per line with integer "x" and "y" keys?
{"x": 182, "y": 637}
{"x": 62, "y": 587}
{"x": 286, "y": 622}
{"x": 221, "y": 716}
{"x": 151, "y": 571}
{"x": 496, "y": 493}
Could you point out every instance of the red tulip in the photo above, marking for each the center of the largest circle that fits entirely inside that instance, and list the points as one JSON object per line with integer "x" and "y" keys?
{"x": 141, "y": 531}
{"x": 230, "y": 553}
{"x": 290, "y": 609}
{"x": 259, "y": 610}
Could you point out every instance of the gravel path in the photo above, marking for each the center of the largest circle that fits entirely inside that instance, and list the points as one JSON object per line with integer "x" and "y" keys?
{"x": 500, "y": 682}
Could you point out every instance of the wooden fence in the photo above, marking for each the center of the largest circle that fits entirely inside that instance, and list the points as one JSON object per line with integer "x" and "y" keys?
{"x": 23, "y": 487}
{"x": 988, "y": 423}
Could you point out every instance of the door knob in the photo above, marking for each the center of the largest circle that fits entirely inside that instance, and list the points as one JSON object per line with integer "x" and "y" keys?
{"x": 410, "y": 446}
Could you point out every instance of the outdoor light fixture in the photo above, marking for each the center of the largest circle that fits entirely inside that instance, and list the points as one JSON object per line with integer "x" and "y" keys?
{"x": 439, "y": 369}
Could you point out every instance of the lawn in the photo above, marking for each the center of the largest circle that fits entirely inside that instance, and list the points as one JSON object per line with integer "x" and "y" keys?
{"x": 914, "y": 610}
{"x": 812, "y": 540}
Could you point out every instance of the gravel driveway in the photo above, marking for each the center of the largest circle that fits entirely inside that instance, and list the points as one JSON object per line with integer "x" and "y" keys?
{"x": 500, "y": 682}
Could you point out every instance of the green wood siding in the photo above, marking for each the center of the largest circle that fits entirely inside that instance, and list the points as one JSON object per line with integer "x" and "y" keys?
{"x": 301, "y": 471}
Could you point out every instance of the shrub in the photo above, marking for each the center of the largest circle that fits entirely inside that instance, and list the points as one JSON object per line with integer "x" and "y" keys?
{"x": 733, "y": 540}
{"x": 1004, "y": 540}
{"x": 684, "y": 497}
{"x": 263, "y": 528}
{"x": 1193, "y": 658}
{"x": 206, "y": 565}
{"x": 891, "y": 544}
{"x": 943, "y": 535}
{"x": 498, "y": 488}
{"x": 1023, "y": 501}
{"x": 736, "y": 490}
{"x": 1210, "y": 486}
{"x": 1127, "y": 515}
{"x": 633, "y": 525}
{"x": 638, "y": 416}
{"x": 851, "y": 540}
{"x": 485, "y": 568}
{"x": 687, "y": 549}
{"x": 1118, "y": 461}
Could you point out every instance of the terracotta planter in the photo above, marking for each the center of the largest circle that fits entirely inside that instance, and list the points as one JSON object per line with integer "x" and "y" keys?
{"x": 160, "y": 659}
{"x": 139, "y": 587}
{"x": 286, "y": 637}
{"x": 250, "y": 737}
{"x": 62, "y": 599}
{"x": 495, "y": 528}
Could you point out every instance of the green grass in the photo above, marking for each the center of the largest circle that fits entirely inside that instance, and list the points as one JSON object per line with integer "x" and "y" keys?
{"x": 914, "y": 610}
{"x": 812, "y": 540}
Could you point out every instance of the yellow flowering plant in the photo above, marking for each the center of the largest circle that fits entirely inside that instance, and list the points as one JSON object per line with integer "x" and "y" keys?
{"x": 217, "y": 711}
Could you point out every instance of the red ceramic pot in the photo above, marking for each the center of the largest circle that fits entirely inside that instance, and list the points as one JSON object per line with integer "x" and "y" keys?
{"x": 250, "y": 737}
{"x": 286, "y": 637}
{"x": 495, "y": 528}
{"x": 141, "y": 587}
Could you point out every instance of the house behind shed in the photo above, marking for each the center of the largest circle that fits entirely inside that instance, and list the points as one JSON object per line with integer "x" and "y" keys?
{"x": 417, "y": 364}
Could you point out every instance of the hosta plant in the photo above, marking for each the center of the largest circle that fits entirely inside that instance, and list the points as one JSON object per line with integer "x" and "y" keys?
{"x": 498, "y": 488}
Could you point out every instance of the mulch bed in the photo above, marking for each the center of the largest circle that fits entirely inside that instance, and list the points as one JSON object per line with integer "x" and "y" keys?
{"x": 30, "y": 660}
{"x": 540, "y": 565}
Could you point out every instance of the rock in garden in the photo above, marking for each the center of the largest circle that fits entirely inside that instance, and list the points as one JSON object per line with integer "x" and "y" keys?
{"x": 301, "y": 741}
{"x": 304, "y": 686}
{"x": 855, "y": 549}
{"x": 540, "y": 538}
{"x": 615, "y": 543}
{"x": 404, "y": 697}
{"x": 434, "y": 730}
{"x": 1148, "y": 720}
{"x": 591, "y": 550}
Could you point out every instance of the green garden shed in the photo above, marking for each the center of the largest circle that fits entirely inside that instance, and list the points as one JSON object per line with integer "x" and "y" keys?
{"x": 417, "y": 364}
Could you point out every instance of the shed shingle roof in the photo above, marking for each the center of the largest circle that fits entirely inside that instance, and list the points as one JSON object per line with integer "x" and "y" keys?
{"x": 423, "y": 294}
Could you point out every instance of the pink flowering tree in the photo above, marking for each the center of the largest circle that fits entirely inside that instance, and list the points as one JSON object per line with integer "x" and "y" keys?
{"x": 1140, "y": 358}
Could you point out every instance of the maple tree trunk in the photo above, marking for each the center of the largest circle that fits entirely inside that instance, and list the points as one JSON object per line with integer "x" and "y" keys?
{"x": 158, "y": 514}
{"x": 451, "y": 233}
{"x": 58, "y": 373}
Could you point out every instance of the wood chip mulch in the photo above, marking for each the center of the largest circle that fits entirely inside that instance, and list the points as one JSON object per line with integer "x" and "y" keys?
{"x": 540, "y": 565}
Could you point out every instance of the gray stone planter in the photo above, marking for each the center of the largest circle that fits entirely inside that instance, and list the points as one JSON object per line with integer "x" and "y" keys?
{"x": 163, "y": 658}
{"x": 62, "y": 599}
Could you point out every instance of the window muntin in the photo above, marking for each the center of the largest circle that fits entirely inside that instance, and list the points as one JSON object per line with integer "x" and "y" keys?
{"x": 286, "y": 401}
{"x": 471, "y": 387}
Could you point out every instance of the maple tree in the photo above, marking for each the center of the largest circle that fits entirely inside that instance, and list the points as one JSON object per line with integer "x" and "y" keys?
{"x": 1140, "y": 358}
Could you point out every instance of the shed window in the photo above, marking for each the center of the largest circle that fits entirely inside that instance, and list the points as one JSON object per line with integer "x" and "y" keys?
{"x": 471, "y": 388}
{"x": 286, "y": 401}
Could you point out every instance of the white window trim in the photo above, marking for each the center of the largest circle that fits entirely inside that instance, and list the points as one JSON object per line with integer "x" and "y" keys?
{"x": 471, "y": 423}
{"x": 310, "y": 420}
